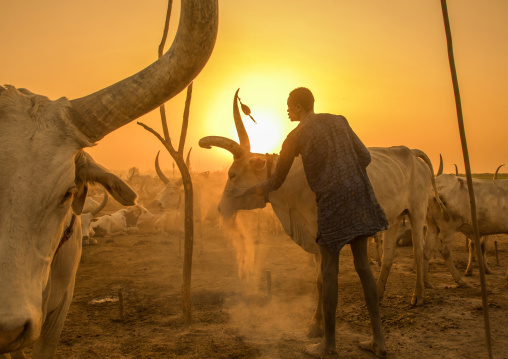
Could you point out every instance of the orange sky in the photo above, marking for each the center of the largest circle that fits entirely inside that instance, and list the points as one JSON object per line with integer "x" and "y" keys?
{"x": 382, "y": 64}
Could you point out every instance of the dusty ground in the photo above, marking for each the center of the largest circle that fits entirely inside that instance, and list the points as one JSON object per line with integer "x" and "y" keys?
{"x": 235, "y": 318}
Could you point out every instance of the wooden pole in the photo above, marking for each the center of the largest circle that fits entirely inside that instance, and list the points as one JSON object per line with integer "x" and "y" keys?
{"x": 187, "y": 181}
{"x": 121, "y": 311}
{"x": 465, "y": 154}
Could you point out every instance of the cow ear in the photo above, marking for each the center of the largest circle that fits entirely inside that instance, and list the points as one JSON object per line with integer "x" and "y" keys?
{"x": 88, "y": 171}
{"x": 257, "y": 163}
{"x": 79, "y": 200}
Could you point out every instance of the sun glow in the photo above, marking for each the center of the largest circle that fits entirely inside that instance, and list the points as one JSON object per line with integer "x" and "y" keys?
{"x": 267, "y": 134}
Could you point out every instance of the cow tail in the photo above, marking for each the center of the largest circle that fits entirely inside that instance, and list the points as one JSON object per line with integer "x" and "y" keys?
{"x": 426, "y": 159}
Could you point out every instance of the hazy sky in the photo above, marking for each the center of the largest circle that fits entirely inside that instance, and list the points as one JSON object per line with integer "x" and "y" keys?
{"x": 382, "y": 64}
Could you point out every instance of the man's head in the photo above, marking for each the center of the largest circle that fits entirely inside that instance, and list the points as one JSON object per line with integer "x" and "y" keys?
{"x": 300, "y": 103}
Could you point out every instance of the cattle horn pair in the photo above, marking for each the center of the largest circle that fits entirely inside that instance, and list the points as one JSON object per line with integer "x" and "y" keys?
{"x": 104, "y": 111}
{"x": 236, "y": 149}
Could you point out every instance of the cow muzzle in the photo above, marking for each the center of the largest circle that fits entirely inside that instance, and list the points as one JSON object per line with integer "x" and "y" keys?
{"x": 14, "y": 339}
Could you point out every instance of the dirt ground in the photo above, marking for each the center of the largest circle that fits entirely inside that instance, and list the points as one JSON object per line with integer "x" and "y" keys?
{"x": 237, "y": 318}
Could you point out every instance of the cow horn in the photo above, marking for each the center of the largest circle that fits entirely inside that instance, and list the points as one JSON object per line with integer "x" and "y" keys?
{"x": 456, "y": 170}
{"x": 223, "y": 142}
{"x": 102, "y": 205}
{"x": 104, "y": 111}
{"x": 440, "y": 169}
{"x": 187, "y": 161}
{"x": 240, "y": 128}
{"x": 161, "y": 175}
{"x": 497, "y": 171}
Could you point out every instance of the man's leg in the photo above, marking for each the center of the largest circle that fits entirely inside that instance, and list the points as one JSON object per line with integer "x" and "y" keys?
{"x": 330, "y": 292}
{"x": 361, "y": 261}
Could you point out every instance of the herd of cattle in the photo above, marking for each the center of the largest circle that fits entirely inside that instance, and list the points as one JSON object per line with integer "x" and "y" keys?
{"x": 46, "y": 215}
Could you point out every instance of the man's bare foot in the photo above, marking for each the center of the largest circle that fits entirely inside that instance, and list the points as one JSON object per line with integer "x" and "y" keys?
{"x": 317, "y": 351}
{"x": 379, "y": 351}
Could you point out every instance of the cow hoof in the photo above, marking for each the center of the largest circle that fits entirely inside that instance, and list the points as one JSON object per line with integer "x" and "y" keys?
{"x": 315, "y": 331}
{"x": 93, "y": 241}
{"x": 463, "y": 284}
{"x": 415, "y": 300}
{"x": 317, "y": 351}
{"x": 378, "y": 350}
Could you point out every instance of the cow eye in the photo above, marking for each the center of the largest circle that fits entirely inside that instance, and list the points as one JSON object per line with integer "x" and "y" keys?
{"x": 68, "y": 195}
{"x": 232, "y": 175}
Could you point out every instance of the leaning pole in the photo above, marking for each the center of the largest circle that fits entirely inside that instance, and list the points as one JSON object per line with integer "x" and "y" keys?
{"x": 467, "y": 166}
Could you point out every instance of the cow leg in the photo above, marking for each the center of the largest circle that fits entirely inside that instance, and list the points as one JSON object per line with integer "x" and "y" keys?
{"x": 330, "y": 293}
{"x": 369, "y": 243}
{"x": 417, "y": 223}
{"x": 430, "y": 241}
{"x": 362, "y": 267}
{"x": 446, "y": 239}
{"x": 469, "y": 269}
{"x": 379, "y": 239}
{"x": 316, "y": 324}
{"x": 45, "y": 346}
{"x": 484, "y": 242}
{"x": 387, "y": 259}
{"x": 17, "y": 354}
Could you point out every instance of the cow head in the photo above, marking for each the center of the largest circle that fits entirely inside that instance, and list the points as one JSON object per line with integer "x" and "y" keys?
{"x": 248, "y": 168}
{"x": 43, "y": 179}
{"x": 138, "y": 214}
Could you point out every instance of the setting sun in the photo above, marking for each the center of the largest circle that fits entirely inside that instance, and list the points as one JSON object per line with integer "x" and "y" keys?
{"x": 267, "y": 135}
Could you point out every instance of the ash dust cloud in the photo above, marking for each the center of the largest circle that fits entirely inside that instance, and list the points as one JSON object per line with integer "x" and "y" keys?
{"x": 260, "y": 313}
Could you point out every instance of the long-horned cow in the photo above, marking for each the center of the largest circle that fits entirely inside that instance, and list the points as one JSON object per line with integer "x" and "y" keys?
{"x": 492, "y": 211}
{"x": 42, "y": 183}
{"x": 402, "y": 184}
{"x": 171, "y": 200}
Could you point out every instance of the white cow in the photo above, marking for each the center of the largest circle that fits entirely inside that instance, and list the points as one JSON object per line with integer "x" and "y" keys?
{"x": 87, "y": 218}
{"x": 402, "y": 182}
{"x": 492, "y": 212}
{"x": 124, "y": 221}
{"x": 25, "y": 317}
{"x": 42, "y": 179}
{"x": 484, "y": 240}
{"x": 171, "y": 200}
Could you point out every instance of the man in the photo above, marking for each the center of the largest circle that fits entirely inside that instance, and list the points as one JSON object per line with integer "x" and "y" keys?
{"x": 334, "y": 161}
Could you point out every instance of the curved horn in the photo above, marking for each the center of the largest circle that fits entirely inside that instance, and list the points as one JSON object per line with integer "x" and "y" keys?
{"x": 187, "y": 161}
{"x": 223, "y": 142}
{"x": 240, "y": 128}
{"x": 495, "y": 174}
{"x": 104, "y": 111}
{"x": 456, "y": 170}
{"x": 163, "y": 178}
{"x": 102, "y": 205}
{"x": 440, "y": 169}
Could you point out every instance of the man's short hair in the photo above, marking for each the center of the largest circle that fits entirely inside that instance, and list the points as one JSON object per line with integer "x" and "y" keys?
{"x": 302, "y": 96}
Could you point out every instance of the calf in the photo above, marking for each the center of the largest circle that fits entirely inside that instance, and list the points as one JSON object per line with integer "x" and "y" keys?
{"x": 124, "y": 221}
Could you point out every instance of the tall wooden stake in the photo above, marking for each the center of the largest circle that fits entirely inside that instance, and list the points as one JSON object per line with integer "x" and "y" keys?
{"x": 468, "y": 176}
{"x": 187, "y": 181}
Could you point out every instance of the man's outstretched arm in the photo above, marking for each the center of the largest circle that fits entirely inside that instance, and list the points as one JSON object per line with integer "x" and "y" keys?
{"x": 286, "y": 158}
